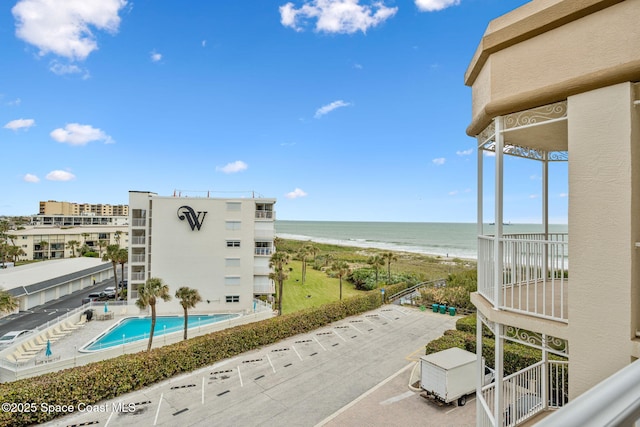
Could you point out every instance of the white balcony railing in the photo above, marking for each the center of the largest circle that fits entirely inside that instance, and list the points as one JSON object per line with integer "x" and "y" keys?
{"x": 525, "y": 394}
{"x": 263, "y": 251}
{"x": 534, "y": 274}
{"x": 137, "y": 240}
{"x": 137, "y": 258}
{"x": 139, "y": 222}
{"x": 265, "y": 215}
{"x": 137, "y": 276}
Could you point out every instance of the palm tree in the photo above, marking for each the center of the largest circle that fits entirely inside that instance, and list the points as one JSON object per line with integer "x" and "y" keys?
{"x": 73, "y": 244}
{"x": 43, "y": 245}
{"x": 7, "y": 302}
{"x": 341, "y": 269}
{"x": 279, "y": 275}
{"x": 101, "y": 245}
{"x": 388, "y": 257}
{"x": 111, "y": 254}
{"x": 122, "y": 257}
{"x": 14, "y": 252}
{"x": 303, "y": 253}
{"x": 117, "y": 237}
{"x": 148, "y": 295}
{"x": 376, "y": 261}
{"x": 188, "y": 299}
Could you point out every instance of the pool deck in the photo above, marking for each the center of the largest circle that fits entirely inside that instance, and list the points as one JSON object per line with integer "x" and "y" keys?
{"x": 65, "y": 351}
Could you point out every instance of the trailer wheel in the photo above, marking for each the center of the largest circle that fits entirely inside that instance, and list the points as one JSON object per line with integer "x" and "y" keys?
{"x": 462, "y": 401}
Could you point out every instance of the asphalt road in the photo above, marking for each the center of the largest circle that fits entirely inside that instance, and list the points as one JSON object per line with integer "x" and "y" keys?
{"x": 42, "y": 314}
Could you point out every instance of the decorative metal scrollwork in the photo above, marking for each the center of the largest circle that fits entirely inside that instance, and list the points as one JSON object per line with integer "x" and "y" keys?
{"x": 535, "y": 339}
{"x": 536, "y": 115}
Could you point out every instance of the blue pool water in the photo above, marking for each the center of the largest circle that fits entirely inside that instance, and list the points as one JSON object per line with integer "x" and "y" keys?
{"x": 137, "y": 328}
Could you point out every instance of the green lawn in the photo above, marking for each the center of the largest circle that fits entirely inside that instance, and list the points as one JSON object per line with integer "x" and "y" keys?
{"x": 318, "y": 289}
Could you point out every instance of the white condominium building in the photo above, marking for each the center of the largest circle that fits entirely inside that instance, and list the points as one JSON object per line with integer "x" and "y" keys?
{"x": 219, "y": 246}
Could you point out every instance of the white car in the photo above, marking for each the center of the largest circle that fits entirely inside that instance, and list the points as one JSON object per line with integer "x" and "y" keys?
{"x": 110, "y": 291}
{"x": 13, "y": 336}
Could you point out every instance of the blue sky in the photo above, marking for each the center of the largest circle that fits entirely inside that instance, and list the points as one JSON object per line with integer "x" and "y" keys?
{"x": 347, "y": 110}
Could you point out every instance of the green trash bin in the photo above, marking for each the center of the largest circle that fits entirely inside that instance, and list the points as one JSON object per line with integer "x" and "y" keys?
{"x": 443, "y": 309}
{"x": 434, "y": 307}
{"x": 452, "y": 311}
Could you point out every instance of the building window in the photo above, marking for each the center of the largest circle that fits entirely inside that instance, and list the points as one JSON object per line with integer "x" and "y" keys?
{"x": 232, "y": 225}
{"x": 232, "y": 262}
{"x": 232, "y": 298}
{"x": 233, "y": 243}
{"x": 232, "y": 280}
{"x": 233, "y": 206}
{"x": 102, "y": 236}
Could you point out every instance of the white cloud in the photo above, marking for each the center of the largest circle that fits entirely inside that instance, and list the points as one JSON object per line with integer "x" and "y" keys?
{"x": 439, "y": 161}
{"x": 357, "y": 66}
{"x": 535, "y": 177}
{"x": 533, "y": 196}
{"x": 62, "y": 69}
{"x": 564, "y": 194}
{"x": 64, "y": 27}
{"x": 204, "y": 43}
{"x": 30, "y": 178}
{"x": 464, "y": 152}
{"x": 336, "y": 16}
{"x": 20, "y": 124}
{"x": 325, "y": 109}
{"x": 490, "y": 153}
{"x": 435, "y": 5}
{"x": 59, "y": 175}
{"x": 77, "y": 134}
{"x": 15, "y": 102}
{"x": 453, "y": 193}
{"x": 295, "y": 194}
{"x": 237, "y": 166}
{"x": 155, "y": 56}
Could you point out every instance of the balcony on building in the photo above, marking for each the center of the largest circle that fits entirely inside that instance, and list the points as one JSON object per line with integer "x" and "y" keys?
{"x": 138, "y": 218}
{"x": 523, "y": 278}
{"x": 264, "y": 211}
{"x": 263, "y": 248}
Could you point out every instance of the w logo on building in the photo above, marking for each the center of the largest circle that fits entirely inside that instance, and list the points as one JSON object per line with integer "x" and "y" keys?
{"x": 195, "y": 219}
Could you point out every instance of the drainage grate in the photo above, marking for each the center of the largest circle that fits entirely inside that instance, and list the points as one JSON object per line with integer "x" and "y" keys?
{"x": 88, "y": 423}
{"x": 222, "y": 372}
{"x": 302, "y": 341}
{"x": 252, "y": 361}
{"x": 224, "y": 392}
{"x": 180, "y": 411}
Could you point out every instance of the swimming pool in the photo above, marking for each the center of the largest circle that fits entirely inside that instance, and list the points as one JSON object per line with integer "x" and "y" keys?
{"x": 133, "y": 329}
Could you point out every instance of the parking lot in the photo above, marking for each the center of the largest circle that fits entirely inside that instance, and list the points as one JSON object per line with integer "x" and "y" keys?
{"x": 354, "y": 372}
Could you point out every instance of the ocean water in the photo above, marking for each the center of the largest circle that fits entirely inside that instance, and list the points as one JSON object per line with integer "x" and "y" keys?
{"x": 443, "y": 239}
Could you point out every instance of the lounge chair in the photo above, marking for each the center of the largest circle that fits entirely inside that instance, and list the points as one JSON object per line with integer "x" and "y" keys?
{"x": 33, "y": 345}
{"x": 53, "y": 336}
{"x": 83, "y": 321}
{"x": 68, "y": 326}
{"x": 25, "y": 350}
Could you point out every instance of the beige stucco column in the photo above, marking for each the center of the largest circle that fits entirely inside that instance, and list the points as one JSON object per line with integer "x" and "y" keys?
{"x": 602, "y": 225}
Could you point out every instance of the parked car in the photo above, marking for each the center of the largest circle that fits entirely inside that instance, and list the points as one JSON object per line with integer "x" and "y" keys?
{"x": 97, "y": 296}
{"x": 123, "y": 284}
{"x": 13, "y": 336}
{"x": 110, "y": 291}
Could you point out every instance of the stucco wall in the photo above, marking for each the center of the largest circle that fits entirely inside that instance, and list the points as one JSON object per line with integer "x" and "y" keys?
{"x": 600, "y": 227}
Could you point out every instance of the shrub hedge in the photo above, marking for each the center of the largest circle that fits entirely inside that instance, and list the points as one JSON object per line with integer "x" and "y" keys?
{"x": 90, "y": 384}
{"x": 516, "y": 356}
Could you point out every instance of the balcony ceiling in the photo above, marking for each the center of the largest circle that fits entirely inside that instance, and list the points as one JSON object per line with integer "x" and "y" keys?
{"x": 546, "y": 137}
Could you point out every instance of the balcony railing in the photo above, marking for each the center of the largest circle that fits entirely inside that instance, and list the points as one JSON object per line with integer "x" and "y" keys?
{"x": 137, "y": 258}
{"x": 534, "y": 273}
{"x": 139, "y": 222}
{"x": 137, "y": 276}
{"x": 263, "y": 251}
{"x": 137, "y": 240}
{"x": 265, "y": 214}
{"x": 525, "y": 394}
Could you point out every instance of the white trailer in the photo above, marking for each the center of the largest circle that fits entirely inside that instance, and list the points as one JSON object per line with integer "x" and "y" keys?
{"x": 450, "y": 375}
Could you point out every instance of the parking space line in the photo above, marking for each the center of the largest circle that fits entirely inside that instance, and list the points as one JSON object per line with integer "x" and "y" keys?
{"x": 109, "y": 419}
{"x": 359, "y": 331}
{"x": 271, "y": 363}
{"x": 240, "y": 376}
{"x": 294, "y": 349}
{"x": 203, "y": 390}
{"x": 339, "y": 336}
{"x": 155, "y": 420}
{"x": 319, "y": 343}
